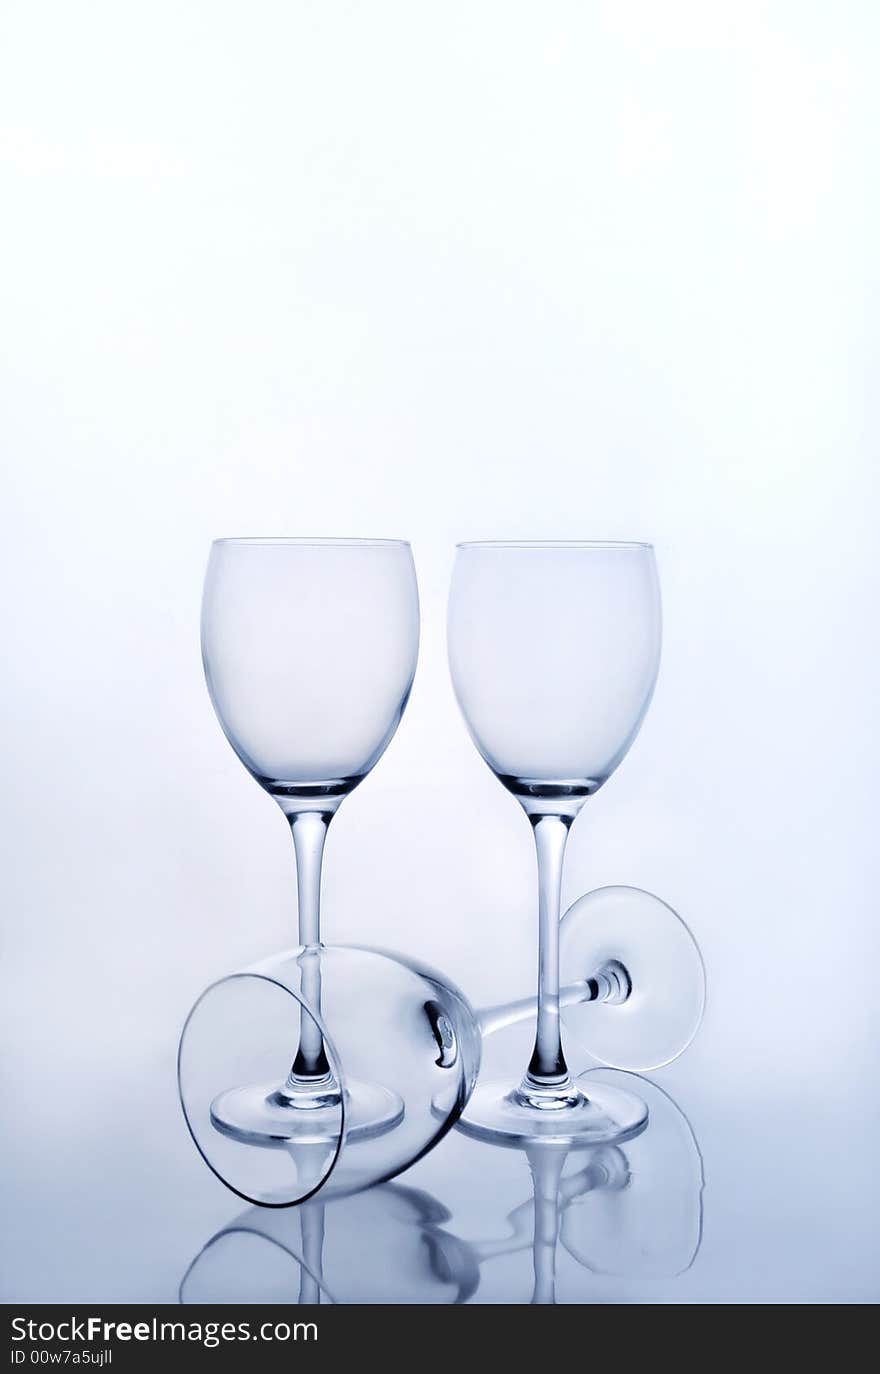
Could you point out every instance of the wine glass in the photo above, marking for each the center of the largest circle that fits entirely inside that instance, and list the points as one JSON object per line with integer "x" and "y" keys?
{"x": 309, "y": 648}
{"x": 554, "y": 650}
{"x": 392, "y": 1031}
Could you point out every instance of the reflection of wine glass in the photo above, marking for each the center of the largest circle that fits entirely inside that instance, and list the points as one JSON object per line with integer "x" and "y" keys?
{"x": 633, "y": 1210}
{"x": 553, "y": 650}
{"x": 384, "y": 1245}
{"x": 310, "y": 648}
{"x": 652, "y": 1226}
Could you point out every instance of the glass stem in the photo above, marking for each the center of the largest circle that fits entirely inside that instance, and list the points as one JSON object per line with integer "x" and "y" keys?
{"x": 309, "y": 830}
{"x": 492, "y": 1019}
{"x": 547, "y": 1082}
{"x": 610, "y": 983}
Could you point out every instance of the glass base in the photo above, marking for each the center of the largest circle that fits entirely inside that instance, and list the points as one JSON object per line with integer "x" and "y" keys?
{"x": 661, "y": 1015}
{"x": 261, "y": 1114}
{"x": 496, "y": 1113}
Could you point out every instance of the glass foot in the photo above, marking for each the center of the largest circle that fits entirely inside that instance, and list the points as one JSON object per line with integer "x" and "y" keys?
{"x": 663, "y": 1011}
{"x": 260, "y": 1114}
{"x": 598, "y": 1114}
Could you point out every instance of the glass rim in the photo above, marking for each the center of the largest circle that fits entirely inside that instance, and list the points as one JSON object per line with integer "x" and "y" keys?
{"x": 553, "y": 544}
{"x": 306, "y": 541}
{"x": 261, "y": 972}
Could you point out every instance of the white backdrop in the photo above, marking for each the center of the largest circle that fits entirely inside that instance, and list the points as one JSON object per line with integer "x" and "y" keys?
{"x": 437, "y": 272}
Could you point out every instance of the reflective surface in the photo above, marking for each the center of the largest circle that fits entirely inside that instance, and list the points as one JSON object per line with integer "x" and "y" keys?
{"x": 384, "y": 1245}
{"x": 126, "y": 1211}
{"x": 634, "y": 1212}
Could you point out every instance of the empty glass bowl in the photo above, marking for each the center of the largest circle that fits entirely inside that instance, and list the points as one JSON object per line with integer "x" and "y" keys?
{"x": 402, "y": 1050}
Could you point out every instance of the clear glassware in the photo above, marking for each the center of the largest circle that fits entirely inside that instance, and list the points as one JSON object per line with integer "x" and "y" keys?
{"x": 554, "y": 650}
{"x": 632, "y": 982}
{"x": 309, "y": 648}
{"x": 403, "y": 1046}
{"x": 655, "y": 964}
{"x": 402, "y": 1049}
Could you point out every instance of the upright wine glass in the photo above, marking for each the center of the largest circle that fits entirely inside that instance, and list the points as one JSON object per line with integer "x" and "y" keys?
{"x": 554, "y": 650}
{"x": 309, "y": 648}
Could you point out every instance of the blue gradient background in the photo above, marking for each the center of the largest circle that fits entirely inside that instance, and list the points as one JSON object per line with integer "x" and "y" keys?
{"x": 478, "y": 270}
